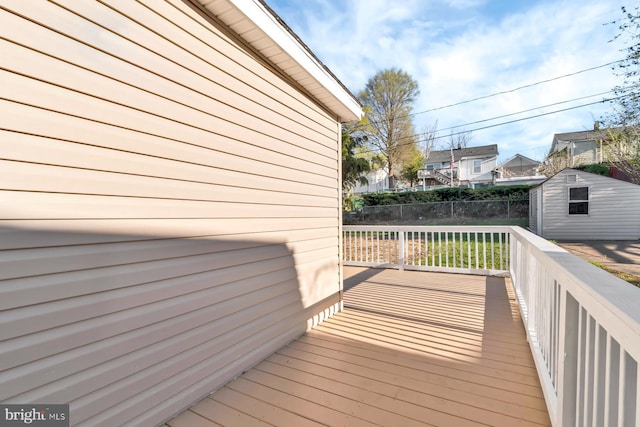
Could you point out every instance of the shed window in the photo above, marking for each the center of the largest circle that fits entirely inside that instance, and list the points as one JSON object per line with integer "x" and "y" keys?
{"x": 579, "y": 201}
{"x": 477, "y": 166}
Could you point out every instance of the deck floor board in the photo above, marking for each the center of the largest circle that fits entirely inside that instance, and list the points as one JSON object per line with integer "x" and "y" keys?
{"x": 410, "y": 348}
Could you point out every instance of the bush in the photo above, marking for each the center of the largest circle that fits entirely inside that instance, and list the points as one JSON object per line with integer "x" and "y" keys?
{"x": 514, "y": 192}
{"x": 598, "y": 169}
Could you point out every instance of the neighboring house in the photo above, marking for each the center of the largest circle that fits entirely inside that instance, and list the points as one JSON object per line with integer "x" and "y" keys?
{"x": 577, "y": 205}
{"x": 574, "y": 149}
{"x": 377, "y": 180}
{"x": 519, "y": 170}
{"x": 169, "y": 202}
{"x": 472, "y": 166}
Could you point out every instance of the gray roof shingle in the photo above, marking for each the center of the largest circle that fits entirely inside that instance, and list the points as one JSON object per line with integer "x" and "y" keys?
{"x": 441, "y": 156}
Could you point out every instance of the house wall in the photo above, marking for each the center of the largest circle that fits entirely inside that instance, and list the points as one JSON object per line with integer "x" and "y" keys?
{"x": 613, "y": 209}
{"x": 584, "y": 153}
{"x": 169, "y": 208}
{"x": 533, "y": 208}
{"x": 376, "y": 181}
{"x": 467, "y": 170}
{"x": 516, "y": 171}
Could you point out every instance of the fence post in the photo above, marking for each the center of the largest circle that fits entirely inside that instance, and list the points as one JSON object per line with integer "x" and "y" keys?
{"x": 401, "y": 250}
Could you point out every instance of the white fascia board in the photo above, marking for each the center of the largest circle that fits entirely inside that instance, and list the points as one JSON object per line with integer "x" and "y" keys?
{"x": 264, "y": 19}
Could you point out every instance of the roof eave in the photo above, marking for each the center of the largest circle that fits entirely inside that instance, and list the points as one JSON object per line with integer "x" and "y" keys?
{"x": 264, "y": 31}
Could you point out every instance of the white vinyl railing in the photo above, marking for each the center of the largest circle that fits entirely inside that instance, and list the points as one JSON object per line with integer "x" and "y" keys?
{"x": 478, "y": 250}
{"x": 583, "y": 326}
{"x": 582, "y": 323}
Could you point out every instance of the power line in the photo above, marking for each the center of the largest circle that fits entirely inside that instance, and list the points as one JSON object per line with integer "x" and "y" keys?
{"x": 503, "y": 123}
{"x": 530, "y": 117}
{"x": 518, "y": 88}
{"x": 510, "y": 90}
{"x": 525, "y": 111}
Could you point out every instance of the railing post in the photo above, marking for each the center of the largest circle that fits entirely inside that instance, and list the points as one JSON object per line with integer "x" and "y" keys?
{"x": 401, "y": 249}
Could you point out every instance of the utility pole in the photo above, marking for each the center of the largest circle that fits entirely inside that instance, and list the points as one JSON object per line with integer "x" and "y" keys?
{"x": 452, "y": 163}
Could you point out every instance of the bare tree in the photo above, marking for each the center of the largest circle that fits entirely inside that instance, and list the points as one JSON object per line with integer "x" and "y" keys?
{"x": 623, "y": 151}
{"x": 427, "y": 139}
{"x": 458, "y": 141}
{"x": 388, "y": 99}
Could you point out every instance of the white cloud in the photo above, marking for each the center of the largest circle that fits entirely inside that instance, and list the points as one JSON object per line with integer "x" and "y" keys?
{"x": 458, "y": 52}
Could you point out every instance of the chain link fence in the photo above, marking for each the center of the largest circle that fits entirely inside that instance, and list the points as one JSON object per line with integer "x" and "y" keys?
{"x": 477, "y": 212}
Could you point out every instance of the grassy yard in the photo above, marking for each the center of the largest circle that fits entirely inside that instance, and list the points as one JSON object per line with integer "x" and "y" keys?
{"x": 482, "y": 251}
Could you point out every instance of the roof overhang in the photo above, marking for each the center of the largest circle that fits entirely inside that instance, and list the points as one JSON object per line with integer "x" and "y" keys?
{"x": 264, "y": 31}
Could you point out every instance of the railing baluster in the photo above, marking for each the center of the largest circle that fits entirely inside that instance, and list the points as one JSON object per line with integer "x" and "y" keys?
{"x": 468, "y": 250}
{"x": 500, "y": 239}
{"x": 433, "y": 249}
{"x": 476, "y": 248}
{"x": 493, "y": 253}
{"x": 484, "y": 251}
{"x": 581, "y": 371}
{"x": 401, "y": 254}
{"x": 628, "y": 399}
{"x": 598, "y": 377}
{"x": 446, "y": 240}
{"x": 461, "y": 250}
{"x": 453, "y": 249}
{"x": 413, "y": 248}
{"x": 612, "y": 378}
{"x": 589, "y": 356}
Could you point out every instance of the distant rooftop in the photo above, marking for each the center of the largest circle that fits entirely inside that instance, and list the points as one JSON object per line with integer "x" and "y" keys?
{"x": 459, "y": 153}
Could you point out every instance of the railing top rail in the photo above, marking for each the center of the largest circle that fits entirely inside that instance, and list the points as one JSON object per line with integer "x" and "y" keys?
{"x": 431, "y": 228}
{"x": 614, "y": 301}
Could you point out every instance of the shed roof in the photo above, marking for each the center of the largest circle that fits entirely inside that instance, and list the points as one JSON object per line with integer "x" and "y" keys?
{"x": 267, "y": 33}
{"x": 459, "y": 153}
{"x": 578, "y": 171}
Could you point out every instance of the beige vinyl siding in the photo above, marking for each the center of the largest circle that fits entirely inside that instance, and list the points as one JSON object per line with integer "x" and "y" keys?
{"x": 584, "y": 153}
{"x": 613, "y": 209}
{"x": 169, "y": 208}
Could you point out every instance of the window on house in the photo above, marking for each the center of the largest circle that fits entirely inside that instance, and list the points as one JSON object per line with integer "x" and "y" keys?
{"x": 429, "y": 167}
{"x": 579, "y": 201}
{"x": 477, "y": 166}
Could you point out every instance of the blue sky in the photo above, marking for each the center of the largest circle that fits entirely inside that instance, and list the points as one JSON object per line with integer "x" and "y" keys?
{"x": 459, "y": 50}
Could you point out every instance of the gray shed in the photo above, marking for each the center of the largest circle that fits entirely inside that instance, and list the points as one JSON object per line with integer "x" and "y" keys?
{"x": 169, "y": 200}
{"x": 577, "y": 205}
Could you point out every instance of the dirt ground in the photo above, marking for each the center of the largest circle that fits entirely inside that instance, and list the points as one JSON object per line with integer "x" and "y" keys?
{"x": 617, "y": 255}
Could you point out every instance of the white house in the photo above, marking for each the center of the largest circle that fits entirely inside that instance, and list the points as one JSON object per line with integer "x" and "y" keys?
{"x": 472, "y": 166}
{"x": 170, "y": 208}
{"x": 577, "y": 205}
{"x": 377, "y": 180}
{"x": 519, "y": 170}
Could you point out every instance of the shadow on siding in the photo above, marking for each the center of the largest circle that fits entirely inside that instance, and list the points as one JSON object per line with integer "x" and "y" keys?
{"x": 137, "y": 327}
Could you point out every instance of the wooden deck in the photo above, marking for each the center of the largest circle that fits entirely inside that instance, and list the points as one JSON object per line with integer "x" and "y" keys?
{"x": 410, "y": 348}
